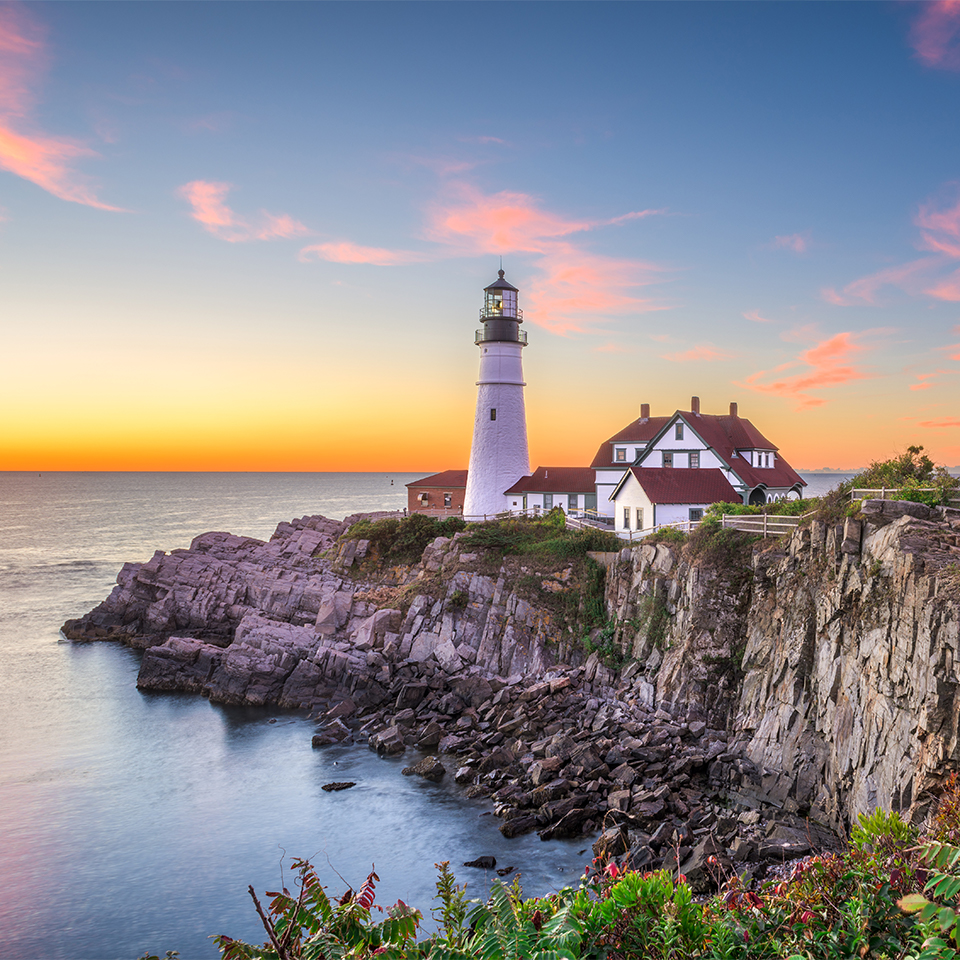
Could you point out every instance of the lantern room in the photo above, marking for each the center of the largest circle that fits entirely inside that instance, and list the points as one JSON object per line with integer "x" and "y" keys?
{"x": 500, "y": 314}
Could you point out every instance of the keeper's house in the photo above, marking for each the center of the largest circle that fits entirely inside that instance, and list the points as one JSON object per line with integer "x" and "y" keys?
{"x": 691, "y": 461}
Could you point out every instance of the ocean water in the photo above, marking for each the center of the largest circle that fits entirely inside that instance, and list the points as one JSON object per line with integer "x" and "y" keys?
{"x": 134, "y": 821}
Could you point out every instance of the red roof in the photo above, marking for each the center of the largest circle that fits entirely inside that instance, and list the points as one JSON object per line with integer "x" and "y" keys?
{"x": 449, "y": 479}
{"x": 670, "y": 485}
{"x": 640, "y": 431}
{"x": 556, "y": 480}
{"x": 728, "y": 435}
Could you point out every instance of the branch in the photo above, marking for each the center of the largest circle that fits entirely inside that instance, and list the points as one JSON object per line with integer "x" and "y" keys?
{"x": 268, "y": 926}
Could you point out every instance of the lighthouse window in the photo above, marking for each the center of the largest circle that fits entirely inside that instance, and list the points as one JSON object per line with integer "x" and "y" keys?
{"x": 493, "y": 413}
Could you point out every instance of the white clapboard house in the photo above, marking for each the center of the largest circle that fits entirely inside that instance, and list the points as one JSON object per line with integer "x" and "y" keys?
{"x": 689, "y": 461}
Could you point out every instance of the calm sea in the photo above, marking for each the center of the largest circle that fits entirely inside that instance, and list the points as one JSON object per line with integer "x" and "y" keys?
{"x": 133, "y": 821}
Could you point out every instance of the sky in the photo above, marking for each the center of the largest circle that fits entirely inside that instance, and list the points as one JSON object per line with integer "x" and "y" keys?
{"x": 255, "y": 236}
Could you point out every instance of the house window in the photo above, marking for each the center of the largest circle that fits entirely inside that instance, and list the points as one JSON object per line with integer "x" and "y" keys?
{"x": 678, "y": 434}
{"x": 548, "y": 501}
{"x": 571, "y": 501}
{"x": 493, "y": 413}
{"x": 696, "y": 514}
{"x": 626, "y": 518}
{"x": 694, "y": 459}
{"x": 423, "y": 497}
{"x": 620, "y": 455}
{"x": 639, "y": 518}
{"x": 667, "y": 459}
{"x": 637, "y": 452}
{"x": 447, "y": 499}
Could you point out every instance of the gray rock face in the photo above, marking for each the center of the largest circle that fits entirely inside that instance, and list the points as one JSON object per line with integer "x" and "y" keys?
{"x": 833, "y": 666}
{"x": 815, "y": 680}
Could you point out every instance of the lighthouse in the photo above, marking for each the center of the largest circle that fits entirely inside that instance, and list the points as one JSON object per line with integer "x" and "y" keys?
{"x": 498, "y": 454}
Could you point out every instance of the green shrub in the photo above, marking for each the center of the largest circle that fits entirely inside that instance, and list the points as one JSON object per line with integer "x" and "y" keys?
{"x": 395, "y": 540}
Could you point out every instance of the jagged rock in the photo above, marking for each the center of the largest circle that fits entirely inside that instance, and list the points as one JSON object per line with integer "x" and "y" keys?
{"x": 484, "y": 863}
{"x": 430, "y": 768}
{"x": 338, "y": 785}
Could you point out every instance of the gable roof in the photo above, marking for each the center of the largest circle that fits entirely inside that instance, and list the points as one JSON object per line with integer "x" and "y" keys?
{"x": 640, "y": 431}
{"x": 728, "y": 435}
{"x": 556, "y": 480}
{"x": 448, "y": 478}
{"x": 670, "y": 485}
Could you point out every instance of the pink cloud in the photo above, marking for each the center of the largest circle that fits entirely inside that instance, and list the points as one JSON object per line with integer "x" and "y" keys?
{"x": 207, "y": 198}
{"x": 25, "y": 151}
{"x": 830, "y": 365}
{"x": 908, "y": 277}
{"x": 796, "y": 242}
{"x": 704, "y": 351}
{"x": 346, "y": 252}
{"x": 940, "y": 234}
{"x": 754, "y": 315}
{"x": 943, "y": 423}
{"x": 935, "y": 34}
{"x": 572, "y": 287}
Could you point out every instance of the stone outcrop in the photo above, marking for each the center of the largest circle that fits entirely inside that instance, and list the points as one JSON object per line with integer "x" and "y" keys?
{"x": 833, "y": 665}
{"x": 739, "y": 705}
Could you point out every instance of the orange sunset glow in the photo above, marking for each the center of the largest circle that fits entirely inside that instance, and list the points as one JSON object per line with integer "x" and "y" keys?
{"x": 208, "y": 270}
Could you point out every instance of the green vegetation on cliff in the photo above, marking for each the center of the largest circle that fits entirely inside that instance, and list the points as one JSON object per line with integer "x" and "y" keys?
{"x": 890, "y": 896}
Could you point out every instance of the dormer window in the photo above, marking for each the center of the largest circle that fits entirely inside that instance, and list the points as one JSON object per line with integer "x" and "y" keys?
{"x": 694, "y": 459}
{"x": 620, "y": 455}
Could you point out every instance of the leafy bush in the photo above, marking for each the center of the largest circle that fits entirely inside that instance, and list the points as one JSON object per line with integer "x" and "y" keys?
{"x": 395, "y": 540}
{"x": 907, "y": 472}
{"x": 842, "y": 906}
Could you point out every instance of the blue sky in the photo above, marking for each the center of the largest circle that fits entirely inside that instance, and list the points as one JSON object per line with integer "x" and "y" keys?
{"x": 256, "y": 235}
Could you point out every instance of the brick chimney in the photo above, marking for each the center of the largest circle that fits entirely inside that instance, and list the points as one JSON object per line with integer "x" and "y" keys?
{"x": 644, "y": 411}
{"x": 695, "y": 406}
{"x": 733, "y": 410}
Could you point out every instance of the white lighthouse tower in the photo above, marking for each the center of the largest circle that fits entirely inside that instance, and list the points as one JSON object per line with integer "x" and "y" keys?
{"x": 498, "y": 455}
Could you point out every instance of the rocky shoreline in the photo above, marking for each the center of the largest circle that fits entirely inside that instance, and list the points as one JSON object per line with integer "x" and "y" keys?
{"x": 702, "y": 742}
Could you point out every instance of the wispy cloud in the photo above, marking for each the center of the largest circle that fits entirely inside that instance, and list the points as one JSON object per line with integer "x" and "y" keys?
{"x": 935, "y": 34}
{"x": 934, "y": 276}
{"x": 483, "y": 140}
{"x": 754, "y": 315}
{"x": 613, "y": 348}
{"x": 944, "y": 423}
{"x": 572, "y": 288}
{"x": 25, "y": 150}
{"x": 828, "y": 364}
{"x": 797, "y": 242}
{"x": 703, "y": 351}
{"x": 346, "y": 252}
{"x": 952, "y": 349}
{"x": 208, "y": 200}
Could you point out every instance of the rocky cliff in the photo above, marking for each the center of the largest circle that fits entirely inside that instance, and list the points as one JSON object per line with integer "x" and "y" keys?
{"x": 833, "y": 664}
{"x": 789, "y": 682}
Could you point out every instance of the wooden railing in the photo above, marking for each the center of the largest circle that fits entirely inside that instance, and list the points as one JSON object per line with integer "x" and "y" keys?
{"x": 887, "y": 493}
{"x": 767, "y": 525}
